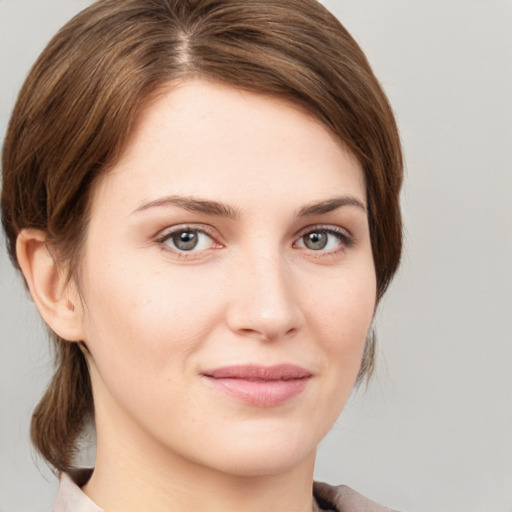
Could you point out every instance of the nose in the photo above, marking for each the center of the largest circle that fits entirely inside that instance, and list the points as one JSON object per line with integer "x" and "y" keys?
{"x": 265, "y": 301}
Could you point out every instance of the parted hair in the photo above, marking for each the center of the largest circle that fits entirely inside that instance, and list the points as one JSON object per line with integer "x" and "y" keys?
{"x": 77, "y": 107}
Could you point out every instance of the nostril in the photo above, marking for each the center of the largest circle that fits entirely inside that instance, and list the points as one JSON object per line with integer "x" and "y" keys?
{"x": 268, "y": 334}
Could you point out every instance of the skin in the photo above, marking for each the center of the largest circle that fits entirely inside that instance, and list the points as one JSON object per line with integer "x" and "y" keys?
{"x": 154, "y": 318}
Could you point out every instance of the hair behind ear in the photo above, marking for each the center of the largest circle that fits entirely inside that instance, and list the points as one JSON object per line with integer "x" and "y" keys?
{"x": 65, "y": 408}
{"x": 368, "y": 362}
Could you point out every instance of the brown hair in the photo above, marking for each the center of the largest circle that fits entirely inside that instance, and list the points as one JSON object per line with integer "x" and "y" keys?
{"x": 76, "y": 109}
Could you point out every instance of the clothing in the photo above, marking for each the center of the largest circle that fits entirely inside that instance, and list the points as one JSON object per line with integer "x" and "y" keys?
{"x": 342, "y": 498}
{"x": 327, "y": 498}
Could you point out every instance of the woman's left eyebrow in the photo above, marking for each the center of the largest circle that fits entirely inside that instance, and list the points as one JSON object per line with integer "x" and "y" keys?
{"x": 329, "y": 205}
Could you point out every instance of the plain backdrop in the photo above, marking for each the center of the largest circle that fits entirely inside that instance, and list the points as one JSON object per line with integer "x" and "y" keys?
{"x": 433, "y": 432}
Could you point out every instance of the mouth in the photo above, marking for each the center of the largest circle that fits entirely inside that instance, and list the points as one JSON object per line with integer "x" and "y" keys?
{"x": 262, "y": 386}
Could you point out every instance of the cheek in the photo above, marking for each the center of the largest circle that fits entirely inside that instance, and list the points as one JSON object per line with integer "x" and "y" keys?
{"x": 344, "y": 308}
{"x": 342, "y": 316}
{"x": 145, "y": 318}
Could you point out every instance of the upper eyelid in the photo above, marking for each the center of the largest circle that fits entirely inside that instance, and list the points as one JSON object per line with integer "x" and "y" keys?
{"x": 201, "y": 228}
{"x": 210, "y": 230}
{"x": 324, "y": 227}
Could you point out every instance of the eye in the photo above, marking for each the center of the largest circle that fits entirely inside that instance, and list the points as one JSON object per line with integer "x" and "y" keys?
{"x": 186, "y": 239}
{"x": 324, "y": 240}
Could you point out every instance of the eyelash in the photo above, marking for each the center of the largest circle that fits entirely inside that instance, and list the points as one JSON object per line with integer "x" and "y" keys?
{"x": 344, "y": 238}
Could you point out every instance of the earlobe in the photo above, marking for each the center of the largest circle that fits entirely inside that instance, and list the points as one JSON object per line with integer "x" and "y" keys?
{"x": 54, "y": 297}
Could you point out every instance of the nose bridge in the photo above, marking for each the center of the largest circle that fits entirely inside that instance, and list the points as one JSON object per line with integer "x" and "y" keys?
{"x": 265, "y": 303}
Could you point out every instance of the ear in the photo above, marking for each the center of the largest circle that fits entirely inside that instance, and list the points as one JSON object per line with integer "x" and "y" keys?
{"x": 56, "y": 299}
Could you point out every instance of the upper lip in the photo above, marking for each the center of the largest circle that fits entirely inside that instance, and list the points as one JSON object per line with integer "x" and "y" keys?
{"x": 259, "y": 373}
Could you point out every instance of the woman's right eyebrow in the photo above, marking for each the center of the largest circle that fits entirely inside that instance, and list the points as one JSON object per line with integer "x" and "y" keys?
{"x": 193, "y": 204}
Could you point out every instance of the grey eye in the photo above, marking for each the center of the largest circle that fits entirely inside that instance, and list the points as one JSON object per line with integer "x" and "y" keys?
{"x": 188, "y": 240}
{"x": 316, "y": 240}
{"x": 185, "y": 240}
{"x": 327, "y": 240}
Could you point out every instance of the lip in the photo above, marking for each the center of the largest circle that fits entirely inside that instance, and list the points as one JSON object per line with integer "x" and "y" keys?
{"x": 262, "y": 386}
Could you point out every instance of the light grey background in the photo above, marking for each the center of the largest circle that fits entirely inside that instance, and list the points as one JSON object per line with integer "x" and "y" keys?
{"x": 434, "y": 430}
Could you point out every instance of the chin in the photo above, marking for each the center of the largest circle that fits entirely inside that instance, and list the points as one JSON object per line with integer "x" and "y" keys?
{"x": 261, "y": 465}
{"x": 265, "y": 455}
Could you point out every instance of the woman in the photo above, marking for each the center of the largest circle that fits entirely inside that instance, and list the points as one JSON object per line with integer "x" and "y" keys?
{"x": 202, "y": 197}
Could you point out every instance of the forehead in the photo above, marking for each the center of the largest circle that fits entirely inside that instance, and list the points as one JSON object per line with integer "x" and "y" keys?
{"x": 208, "y": 139}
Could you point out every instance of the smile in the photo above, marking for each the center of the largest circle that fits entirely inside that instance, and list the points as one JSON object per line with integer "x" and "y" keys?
{"x": 262, "y": 386}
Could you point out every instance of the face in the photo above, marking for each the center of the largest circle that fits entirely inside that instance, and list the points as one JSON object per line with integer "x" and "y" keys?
{"x": 227, "y": 283}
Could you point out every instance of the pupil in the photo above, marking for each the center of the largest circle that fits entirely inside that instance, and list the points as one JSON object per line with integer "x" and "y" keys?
{"x": 315, "y": 241}
{"x": 186, "y": 240}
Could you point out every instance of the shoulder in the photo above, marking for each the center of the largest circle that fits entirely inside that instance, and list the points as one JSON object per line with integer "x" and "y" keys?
{"x": 343, "y": 499}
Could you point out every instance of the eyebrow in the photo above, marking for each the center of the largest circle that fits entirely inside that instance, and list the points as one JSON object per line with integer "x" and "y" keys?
{"x": 329, "y": 205}
{"x": 193, "y": 204}
{"x": 216, "y": 208}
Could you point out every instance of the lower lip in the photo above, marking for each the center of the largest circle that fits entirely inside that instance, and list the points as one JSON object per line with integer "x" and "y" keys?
{"x": 267, "y": 393}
